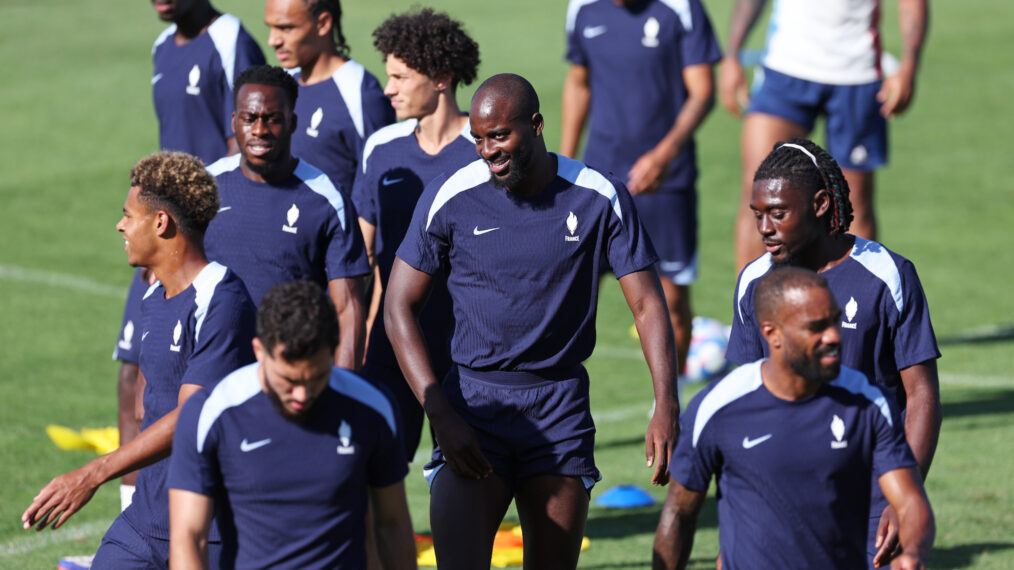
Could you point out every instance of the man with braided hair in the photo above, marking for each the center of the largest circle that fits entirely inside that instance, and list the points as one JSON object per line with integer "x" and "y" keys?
{"x": 427, "y": 55}
{"x": 198, "y": 324}
{"x": 340, "y": 104}
{"x": 801, "y": 205}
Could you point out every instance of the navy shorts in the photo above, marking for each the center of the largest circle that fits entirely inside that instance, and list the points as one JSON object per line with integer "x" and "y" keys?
{"x": 670, "y": 219}
{"x": 527, "y": 423}
{"x": 123, "y": 546}
{"x": 856, "y": 131}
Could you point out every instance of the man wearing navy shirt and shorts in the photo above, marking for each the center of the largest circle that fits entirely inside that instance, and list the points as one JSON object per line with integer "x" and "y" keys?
{"x": 197, "y": 327}
{"x": 802, "y": 209}
{"x": 521, "y": 235}
{"x": 281, "y": 218}
{"x": 641, "y": 72}
{"x": 340, "y": 103}
{"x": 399, "y": 161}
{"x": 795, "y": 442}
{"x": 196, "y": 60}
{"x": 286, "y": 451}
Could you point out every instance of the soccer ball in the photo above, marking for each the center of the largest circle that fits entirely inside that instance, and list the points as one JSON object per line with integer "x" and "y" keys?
{"x": 706, "y": 359}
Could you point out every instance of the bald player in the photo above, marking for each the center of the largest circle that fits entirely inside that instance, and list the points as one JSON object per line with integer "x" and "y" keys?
{"x": 521, "y": 235}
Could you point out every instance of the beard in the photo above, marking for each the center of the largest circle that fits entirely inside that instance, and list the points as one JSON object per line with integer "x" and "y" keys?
{"x": 276, "y": 401}
{"x": 809, "y": 367}
{"x": 520, "y": 161}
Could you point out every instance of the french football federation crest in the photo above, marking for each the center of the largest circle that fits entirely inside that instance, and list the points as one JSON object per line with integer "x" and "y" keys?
{"x": 177, "y": 333}
{"x": 651, "y": 28}
{"x": 128, "y": 336}
{"x": 291, "y": 216}
{"x": 838, "y": 431}
{"x": 850, "y": 312}
{"x": 345, "y": 446}
{"x": 194, "y": 79}
{"x": 571, "y": 227}
{"x": 315, "y": 120}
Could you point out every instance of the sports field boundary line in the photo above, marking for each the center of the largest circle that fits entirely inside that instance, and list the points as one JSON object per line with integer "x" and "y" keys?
{"x": 61, "y": 280}
{"x": 48, "y": 537}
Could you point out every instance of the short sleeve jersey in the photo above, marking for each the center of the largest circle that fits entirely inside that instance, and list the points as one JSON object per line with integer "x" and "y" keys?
{"x": 334, "y": 119}
{"x": 793, "y": 477}
{"x": 299, "y": 228}
{"x": 635, "y": 57}
{"x": 192, "y": 86}
{"x": 394, "y": 172}
{"x": 523, "y": 271}
{"x": 836, "y": 42}
{"x": 885, "y": 323}
{"x": 128, "y": 347}
{"x": 288, "y": 494}
{"x": 196, "y": 337}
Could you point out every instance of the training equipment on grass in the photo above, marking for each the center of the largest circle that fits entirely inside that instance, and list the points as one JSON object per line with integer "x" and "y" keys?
{"x": 100, "y": 440}
{"x": 508, "y": 547}
{"x": 706, "y": 358}
{"x": 625, "y": 497}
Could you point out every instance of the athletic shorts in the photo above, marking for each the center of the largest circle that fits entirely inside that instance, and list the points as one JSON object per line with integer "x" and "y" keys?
{"x": 856, "y": 131}
{"x": 670, "y": 219}
{"x": 124, "y": 547}
{"x": 527, "y": 423}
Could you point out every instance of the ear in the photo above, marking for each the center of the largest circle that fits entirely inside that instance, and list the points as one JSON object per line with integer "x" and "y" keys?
{"x": 233, "y": 122}
{"x": 163, "y": 221}
{"x": 259, "y": 351}
{"x": 324, "y": 24}
{"x": 537, "y": 124}
{"x": 822, "y": 203}
{"x": 772, "y": 333}
{"x": 443, "y": 82}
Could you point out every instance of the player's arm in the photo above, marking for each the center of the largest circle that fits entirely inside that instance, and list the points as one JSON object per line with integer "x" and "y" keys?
{"x": 126, "y": 417}
{"x": 407, "y": 292}
{"x": 574, "y": 113}
{"x": 67, "y": 493}
{"x": 897, "y": 90}
{"x": 189, "y": 524}
{"x": 393, "y": 526}
{"x": 643, "y": 293}
{"x": 674, "y": 538}
{"x": 649, "y": 169}
{"x": 732, "y": 88}
{"x": 904, "y": 491}
{"x": 347, "y": 294}
{"x": 370, "y": 241}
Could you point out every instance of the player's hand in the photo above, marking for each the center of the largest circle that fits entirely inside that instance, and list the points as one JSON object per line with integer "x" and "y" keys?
{"x": 60, "y": 499}
{"x": 460, "y": 447}
{"x": 659, "y": 442}
{"x": 647, "y": 173}
{"x": 887, "y": 538}
{"x": 896, "y": 94}
{"x": 732, "y": 89}
{"x": 907, "y": 561}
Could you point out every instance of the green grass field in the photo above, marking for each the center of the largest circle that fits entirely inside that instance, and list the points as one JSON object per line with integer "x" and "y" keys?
{"x": 76, "y": 107}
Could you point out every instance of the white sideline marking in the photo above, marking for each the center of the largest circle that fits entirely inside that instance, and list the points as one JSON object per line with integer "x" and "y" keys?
{"x": 44, "y": 538}
{"x": 64, "y": 280}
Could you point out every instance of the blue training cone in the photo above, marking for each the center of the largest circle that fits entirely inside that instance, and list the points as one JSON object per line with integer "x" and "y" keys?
{"x": 625, "y": 497}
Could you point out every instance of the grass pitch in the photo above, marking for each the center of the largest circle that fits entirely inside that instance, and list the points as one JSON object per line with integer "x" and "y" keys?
{"x": 77, "y": 110}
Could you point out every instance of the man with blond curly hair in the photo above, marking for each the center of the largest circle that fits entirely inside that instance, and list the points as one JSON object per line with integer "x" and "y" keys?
{"x": 198, "y": 324}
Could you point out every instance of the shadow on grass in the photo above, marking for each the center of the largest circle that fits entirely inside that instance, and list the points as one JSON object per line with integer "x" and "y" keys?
{"x": 1000, "y": 333}
{"x": 617, "y": 523}
{"x": 964, "y": 555}
{"x": 638, "y": 440}
{"x": 994, "y": 402}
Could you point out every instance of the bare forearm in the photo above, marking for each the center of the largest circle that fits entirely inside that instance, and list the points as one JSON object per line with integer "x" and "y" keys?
{"x": 348, "y": 299}
{"x": 151, "y": 445}
{"x": 576, "y": 99}
{"x": 674, "y": 538}
{"x": 922, "y": 428}
{"x": 913, "y": 18}
{"x": 691, "y": 115}
{"x": 744, "y": 16}
{"x": 396, "y": 545}
{"x": 917, "y": 528}
{"x": 188, "y": 553}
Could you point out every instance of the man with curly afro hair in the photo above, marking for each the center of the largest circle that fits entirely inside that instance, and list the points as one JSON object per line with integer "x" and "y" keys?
{"x": 427, "y": 55}
{"x": 198, "y": 325}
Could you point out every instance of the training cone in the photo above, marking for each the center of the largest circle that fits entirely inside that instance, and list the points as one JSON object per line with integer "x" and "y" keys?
{"x": 625, "y": 497}
{"x": 508, "y": 548}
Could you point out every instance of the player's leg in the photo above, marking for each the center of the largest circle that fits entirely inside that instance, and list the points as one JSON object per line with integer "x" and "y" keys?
{"x": 553, "y": 510}
{"x": 464, "y": 517}
{"x": 124, "y": 547}
{"x": 864, "y": 221}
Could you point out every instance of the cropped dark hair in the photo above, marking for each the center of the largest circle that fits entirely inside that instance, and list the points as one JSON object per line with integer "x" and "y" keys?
{"x": 179, "y": 184}
{"x": 270, "y": 76}
{"x": 787, "y": 162}
{"x": 770, "y": 292}
{"x": 333, "y": 7}
{"x": 300, "y": 316}
{"x": 431, "y": 43}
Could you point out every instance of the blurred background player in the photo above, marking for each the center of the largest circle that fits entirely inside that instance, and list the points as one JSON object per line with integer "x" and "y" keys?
{"x": 795, "y": 442}
{"x": 290, "y": 447}
{"x": 427, "y": 55}
{"x": 282, "y": 218}
{"x": 642, "y": 70}
{"x": 821, "y": 58}
{"x": 197, "y": 59}
{"x": 522, "y": 235}
{"x": 197, "y": 327}
{"x": 340, "y": 103}
{"x": 801, "y": 205}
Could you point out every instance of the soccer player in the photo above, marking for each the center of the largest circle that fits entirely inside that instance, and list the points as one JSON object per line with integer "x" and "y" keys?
{"x": 196, "y": 60}
{"x": 795, "y": 442}
{"x": 521, "y": 235}
{"x": 290, "y": 447}
{"x": 821, "y": 58}
{"x": 641, "y": 70}
{"x": 281, "y": 218}
{"x": 340, "y": 103}
{"x": 802, "y": 211}
{"x": 198, "y": 323}
{"x": 398, "y": 162}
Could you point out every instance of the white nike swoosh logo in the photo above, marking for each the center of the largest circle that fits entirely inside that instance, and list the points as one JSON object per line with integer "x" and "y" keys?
{"x": 144, "y": 335}
{"x": 388, "y": 181}
{"x": 479, "y": 232}
{"x": 748, "y": 443}
{"x": 244, "y": 446}
{"x": 155, "y": 79}
{"x": 594, "y": 32}
{"x": 224, "y": 208}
